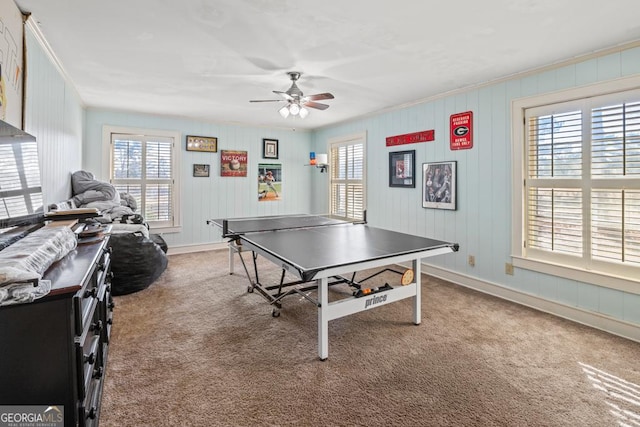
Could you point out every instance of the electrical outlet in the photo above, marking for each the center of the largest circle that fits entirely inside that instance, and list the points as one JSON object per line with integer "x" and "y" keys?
{"x": 472, "y": 260}
{"x": 508, "y": 269}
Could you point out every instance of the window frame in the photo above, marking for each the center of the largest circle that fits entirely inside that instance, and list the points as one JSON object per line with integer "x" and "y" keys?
{"x": 359, "y": 138}
{"x": 175, "y": 226}
{"x": 623, "y": 278}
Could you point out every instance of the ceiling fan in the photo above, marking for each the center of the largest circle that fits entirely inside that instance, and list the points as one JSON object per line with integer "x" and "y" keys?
{"x": 296, "y": 100}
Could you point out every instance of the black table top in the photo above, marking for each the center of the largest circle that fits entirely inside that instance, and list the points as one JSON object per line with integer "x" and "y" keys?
{"x": 310, "y": 250}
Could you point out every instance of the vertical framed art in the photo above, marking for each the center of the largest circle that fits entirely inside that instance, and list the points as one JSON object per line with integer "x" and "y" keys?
{"x": 402, "y": 166}
{"x": 269, "y": 182}
{"x": 439, "y": 185}
{"x": 269, "y": 148}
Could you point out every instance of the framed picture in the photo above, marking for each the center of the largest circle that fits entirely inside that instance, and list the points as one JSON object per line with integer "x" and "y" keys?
{"x": 233, "y": 163}
{"x": 402, "y": 166}
{"x": 269, "y": 182}
{"x": 270, "y": 148}
{"x": 202, "y": 143}
{"x": 200, "y": 170}
{"x": 439, "y": 185}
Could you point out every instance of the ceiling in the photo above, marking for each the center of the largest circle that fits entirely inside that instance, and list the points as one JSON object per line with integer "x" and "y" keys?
{"x": 205, "y": 59}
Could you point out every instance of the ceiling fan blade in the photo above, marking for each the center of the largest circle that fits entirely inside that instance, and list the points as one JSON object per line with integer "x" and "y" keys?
{"x": 285, "y": 95}
{"x": 319, "y": 96}
{"x": 315, "y": 105}
{"x": 267, "y": 100}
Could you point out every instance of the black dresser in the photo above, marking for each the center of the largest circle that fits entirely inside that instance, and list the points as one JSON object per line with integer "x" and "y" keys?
{"x": 54, "y": 351}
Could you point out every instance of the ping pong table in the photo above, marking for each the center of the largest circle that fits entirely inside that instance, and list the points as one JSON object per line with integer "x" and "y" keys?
{"x": 319, "y": 251}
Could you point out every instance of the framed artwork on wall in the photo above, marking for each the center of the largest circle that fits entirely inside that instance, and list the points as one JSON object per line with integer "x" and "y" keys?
{"x": 402, "y": 166}
{"x": 269, "y": 148}
{"x": 200, "y": 170}
{"x": 439, "y": 185}
{"x": 269, "y": 182}
{"x": 233, "y": 163}
{"x": 202, "y": 143}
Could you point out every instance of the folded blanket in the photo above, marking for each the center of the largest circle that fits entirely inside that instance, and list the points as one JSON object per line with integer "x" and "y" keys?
{"x": 20, "y": 293}
{"x": 23, "y": 263}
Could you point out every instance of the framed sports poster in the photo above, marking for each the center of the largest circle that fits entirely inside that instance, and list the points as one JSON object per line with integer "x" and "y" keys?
{"x": 202, "y": 143}
{"x": 402, "y": 165}
{"x": 233, "y": 163}
{"x": 439, "y": 185}
{"x": 269, "y": 182}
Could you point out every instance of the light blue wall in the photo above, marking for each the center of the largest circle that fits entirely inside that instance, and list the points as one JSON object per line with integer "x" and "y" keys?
{"x": 481, "y": 225}
{"x": 216, "y": 196}
{"x": 482, "y": 222}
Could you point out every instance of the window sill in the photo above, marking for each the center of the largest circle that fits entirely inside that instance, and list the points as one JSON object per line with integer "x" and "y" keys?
{"x": 619, "y": 283}
{"x": 161, "y": 230}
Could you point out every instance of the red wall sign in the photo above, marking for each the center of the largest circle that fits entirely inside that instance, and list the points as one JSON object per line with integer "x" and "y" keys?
{"x": 411, "y": 138}
{"x": 461, "y": 132}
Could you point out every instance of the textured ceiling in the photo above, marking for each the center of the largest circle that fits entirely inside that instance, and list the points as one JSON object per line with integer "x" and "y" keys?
{"x": 206, "y": 59}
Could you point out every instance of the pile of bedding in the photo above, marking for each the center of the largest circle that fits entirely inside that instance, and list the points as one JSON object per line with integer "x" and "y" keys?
{"x": 88, "y": 192}
{"x": 138, "y": 258}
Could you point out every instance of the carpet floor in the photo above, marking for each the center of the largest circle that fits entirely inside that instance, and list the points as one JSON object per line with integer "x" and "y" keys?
{"x": 196, "y": 349}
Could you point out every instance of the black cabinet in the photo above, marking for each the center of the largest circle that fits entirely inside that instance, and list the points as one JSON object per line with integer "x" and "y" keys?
{"x": 54, "y": 351}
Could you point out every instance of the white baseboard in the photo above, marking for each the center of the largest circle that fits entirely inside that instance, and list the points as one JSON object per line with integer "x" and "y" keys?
{"x": 595, "y": 320}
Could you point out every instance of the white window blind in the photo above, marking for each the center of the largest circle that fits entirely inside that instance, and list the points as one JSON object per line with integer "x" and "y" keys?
{"x": 347, "y": 198}
{"x": 582, "y": 183}
{"x": 20, "y": 188}
{"x": 144, "y": 166}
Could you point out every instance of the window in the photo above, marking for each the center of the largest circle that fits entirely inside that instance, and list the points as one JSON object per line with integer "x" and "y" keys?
{"x": 20, "y": 190}
{"x": 581, "y": 187}
{"x": 347, "y": 168}
{"x": 144, "y": 165}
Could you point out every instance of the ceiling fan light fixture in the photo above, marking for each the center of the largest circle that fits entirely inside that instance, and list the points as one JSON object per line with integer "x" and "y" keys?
{"x": 284, "y": 111}
{"x": 297, "y": 104}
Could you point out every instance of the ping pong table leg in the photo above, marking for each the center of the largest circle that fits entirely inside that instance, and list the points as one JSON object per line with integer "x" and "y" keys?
{"x": 323, "y": 320}
{"x": 231, "y": 251}
{"x": 417, "y": 309}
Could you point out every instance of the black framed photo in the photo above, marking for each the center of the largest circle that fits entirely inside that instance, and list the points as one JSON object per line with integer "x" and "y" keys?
{"x": 269, "y": 148}
{"x": 200, "y": 170}
{"x": 402, "y": 166}
{"x": 439, "y": 185}
{"x": 202, "y": 143}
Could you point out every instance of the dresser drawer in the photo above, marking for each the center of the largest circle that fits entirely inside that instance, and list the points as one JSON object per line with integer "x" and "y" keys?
{"x": 85, "y": 300}
{"x": 89, "y": 411}
{"x": 88, "y": 358}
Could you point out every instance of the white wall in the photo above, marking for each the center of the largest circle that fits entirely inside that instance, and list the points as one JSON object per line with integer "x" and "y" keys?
{"x": 482, "y": 222}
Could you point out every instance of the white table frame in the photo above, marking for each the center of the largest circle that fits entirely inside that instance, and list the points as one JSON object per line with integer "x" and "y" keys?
{"x": 328, "y": 311}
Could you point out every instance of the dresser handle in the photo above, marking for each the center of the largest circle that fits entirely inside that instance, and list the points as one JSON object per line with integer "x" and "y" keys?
{"x": 90, "y": 358}
{"x": 97, "y": 326}
{"x": 91, "y": 293}
{"x": 97, "y": 373}
{"x": 91, "y": 414}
